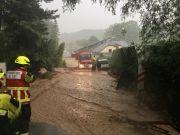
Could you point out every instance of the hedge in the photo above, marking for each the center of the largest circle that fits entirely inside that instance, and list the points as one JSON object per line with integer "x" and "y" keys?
{"x": 124, "y": 64}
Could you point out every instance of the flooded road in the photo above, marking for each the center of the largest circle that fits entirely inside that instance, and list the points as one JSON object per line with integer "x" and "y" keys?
{"x": 86, "y": 103}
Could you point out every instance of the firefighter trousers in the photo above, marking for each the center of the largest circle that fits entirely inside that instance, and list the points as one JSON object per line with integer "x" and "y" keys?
{"x": 24, "y": 119}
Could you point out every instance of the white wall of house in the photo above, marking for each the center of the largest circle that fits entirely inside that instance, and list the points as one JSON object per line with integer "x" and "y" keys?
{"x": 109, "y": 49}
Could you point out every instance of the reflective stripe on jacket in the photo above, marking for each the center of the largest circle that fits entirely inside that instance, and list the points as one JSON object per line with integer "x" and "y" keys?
{"x": 24, "y": 133}
{"x": 2, "y": 79}
{"x": 1, "y": 75}
{"x": 17, "y": 86}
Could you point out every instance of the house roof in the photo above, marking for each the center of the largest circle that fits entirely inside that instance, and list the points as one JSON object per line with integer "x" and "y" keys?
{"x": 99, "y": 46}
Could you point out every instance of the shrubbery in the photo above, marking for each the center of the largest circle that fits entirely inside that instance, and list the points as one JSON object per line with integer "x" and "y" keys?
{"x": 27, "y": 29}
{"x": 124, "y": 64}
{"x": 162, "y": 78}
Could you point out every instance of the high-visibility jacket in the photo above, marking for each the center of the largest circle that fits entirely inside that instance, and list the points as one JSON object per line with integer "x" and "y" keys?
{"x": 18, "y": 84}
{"x": 2, "y": 79}
{"x": 10, "y": 106}
{"x": 1, "y": 75}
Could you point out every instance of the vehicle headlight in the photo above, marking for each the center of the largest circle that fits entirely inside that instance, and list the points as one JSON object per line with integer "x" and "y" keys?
{"x": 81, "y": 65}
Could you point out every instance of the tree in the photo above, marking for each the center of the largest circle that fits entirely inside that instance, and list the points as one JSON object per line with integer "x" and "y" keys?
{"x": 60, "y": 51}
{"x": 53, "y": 30}
{"x": 24, "y": 32}
{"x": 85, "y": 42}
{"x": 92, "y": 40}
{"x": 53, "y": 43}
{"x": 128, "y": 31}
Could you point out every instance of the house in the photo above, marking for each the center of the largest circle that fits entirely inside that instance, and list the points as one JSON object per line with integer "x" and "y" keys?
{"x": 105, "y": 47}
{"x": 109, "y": 49}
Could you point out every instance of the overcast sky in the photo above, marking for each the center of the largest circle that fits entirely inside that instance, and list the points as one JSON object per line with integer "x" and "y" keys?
{"x": 85, "y": 16}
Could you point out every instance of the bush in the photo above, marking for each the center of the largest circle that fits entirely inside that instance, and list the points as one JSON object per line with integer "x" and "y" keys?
{"x": 163, "y": 76}
{"x": 124, "y": 63}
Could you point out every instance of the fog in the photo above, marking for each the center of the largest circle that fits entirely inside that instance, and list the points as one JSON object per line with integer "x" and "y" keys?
{"x": 86, "y": 16}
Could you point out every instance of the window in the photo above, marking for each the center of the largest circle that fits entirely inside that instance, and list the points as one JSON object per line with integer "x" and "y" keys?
{"x": 110, "y": 50}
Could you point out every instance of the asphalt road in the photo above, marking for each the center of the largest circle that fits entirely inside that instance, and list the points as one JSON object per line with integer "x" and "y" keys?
{"x": 45, "y": 129}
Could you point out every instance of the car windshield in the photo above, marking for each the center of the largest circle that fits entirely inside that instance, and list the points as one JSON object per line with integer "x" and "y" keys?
{"x": 85, "y": 56}
{"x": 103, "y": 61}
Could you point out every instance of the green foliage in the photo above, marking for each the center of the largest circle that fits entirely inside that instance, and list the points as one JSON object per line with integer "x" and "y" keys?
{"x": 53, "y": 30}
{"x": 24, "y": 32}
{"x": 161, "y": 22}
{"x": 84, "y": 42}
{"x": 70, "y": 4}
{"x": 160, "y": 19}
{"x": 162, "y": 67}
{"x": 124, "y": 64}
{"x": 92, "y": 40}
{"x": 128, "y": 31}
{"x": 109, "y": 4}
{"x": 60, "y": 51}
{"x": 162, "y": 78}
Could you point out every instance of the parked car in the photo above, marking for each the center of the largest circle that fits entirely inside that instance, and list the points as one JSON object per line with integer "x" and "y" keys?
{"x": 102, "y": 64}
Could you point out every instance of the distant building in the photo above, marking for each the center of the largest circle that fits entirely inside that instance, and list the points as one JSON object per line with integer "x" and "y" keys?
{"x": 105, "y": 47}
{"x": 110, "y": 48}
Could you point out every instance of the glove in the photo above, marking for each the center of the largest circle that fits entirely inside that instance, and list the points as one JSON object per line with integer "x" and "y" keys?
{"x": 29, "y": 77}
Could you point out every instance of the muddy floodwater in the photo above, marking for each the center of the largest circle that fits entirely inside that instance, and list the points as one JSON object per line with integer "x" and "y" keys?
{"x": 81, "y": 102}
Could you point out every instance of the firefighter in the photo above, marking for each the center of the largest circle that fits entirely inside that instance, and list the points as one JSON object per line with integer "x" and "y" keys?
{"x": 10, "y": 110}
{"x": 18, "y": 83}
{"x": 1, "y": 73}
{"x": 94, "y": 58}
{"x": 2, "y": 78}
{"x": 93, "y": 63}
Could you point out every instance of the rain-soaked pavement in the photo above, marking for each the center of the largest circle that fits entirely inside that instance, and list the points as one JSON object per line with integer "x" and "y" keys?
{"x": 76, "y": 102}
{"x": 45, "y": 129}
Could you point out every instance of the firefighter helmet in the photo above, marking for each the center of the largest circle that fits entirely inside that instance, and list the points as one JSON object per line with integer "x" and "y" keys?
{"x": 22, "y": 60}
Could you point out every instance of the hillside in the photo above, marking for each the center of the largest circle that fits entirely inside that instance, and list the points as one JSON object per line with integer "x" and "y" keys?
{"x": 83, "y": 34}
